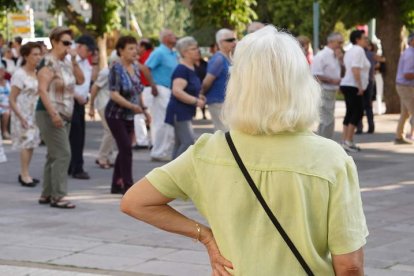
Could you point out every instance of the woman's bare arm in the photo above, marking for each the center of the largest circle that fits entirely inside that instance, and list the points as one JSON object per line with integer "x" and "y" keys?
{"x": 178, "y": 91}
{"x": 144, "y": 202}
{"x": 351, "y": 264}
{"x": 44, "y": 77}
{"x": 14, "y": 93}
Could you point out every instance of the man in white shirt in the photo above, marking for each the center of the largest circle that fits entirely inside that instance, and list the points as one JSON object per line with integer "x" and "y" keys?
{"x": 327, "y": 68}
{"x": 85, "y": 47}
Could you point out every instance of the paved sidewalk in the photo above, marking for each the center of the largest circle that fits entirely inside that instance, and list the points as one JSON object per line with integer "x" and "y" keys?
{"x": 97, "y": 239}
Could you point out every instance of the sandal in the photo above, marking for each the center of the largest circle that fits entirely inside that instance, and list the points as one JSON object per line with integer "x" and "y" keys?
{"x": 61, "y": 203}
{"x": 104, "y": 166}
{"x": 44, "y": 200}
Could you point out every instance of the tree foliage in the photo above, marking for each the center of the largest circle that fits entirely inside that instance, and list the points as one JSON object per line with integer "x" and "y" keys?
{"x": 153, "y": 15}
{"x": 210, "y": 15}
{"x": 9, "y": 4}
{"x": 104, "y": 17}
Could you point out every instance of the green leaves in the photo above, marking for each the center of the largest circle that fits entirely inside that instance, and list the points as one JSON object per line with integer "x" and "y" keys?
{"x": 210, "y": 15}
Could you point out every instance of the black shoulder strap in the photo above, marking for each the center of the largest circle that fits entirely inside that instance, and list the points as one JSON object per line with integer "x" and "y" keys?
{"x": 266, "y": 207}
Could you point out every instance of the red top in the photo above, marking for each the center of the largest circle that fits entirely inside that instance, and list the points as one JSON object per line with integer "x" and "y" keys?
{"x": 142, "y": 60}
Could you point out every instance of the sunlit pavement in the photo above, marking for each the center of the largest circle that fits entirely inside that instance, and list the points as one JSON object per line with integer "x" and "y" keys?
{"x": 96, "y": 238}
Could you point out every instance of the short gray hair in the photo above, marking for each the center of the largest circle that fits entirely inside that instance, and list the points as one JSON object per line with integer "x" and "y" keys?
{"x": 183, "y": 44}
{"x": 164, "y": 33}
{"x": 333, "y": 37}
{"x": 220, "y": 34}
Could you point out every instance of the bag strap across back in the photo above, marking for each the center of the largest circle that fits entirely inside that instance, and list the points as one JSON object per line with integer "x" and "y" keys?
{"x": 266, "y": 207}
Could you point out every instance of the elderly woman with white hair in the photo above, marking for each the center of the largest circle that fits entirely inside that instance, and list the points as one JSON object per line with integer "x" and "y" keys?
{"x": 306, "y": 185}
{"x": 185, "y": 95}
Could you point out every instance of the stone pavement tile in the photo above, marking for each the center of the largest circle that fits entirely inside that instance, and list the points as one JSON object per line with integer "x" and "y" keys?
{"x": 112, "y": 262}
{"x": 379, "y": 237}
{"x": 64, "y": 244}
{"x": 375, "y": 263}
{"x": 194, "y": 257}
{"x": 171, "y": 268}
{"x": 10, "y": 238}
{"x": 158, "y": 238}
{"x": 402, "y": 267}
{"x": 401, "y": 227}
{"x": 22, "y": 253}
{"x": 385, "y": 272}
{"x": 390, "y": 218}
{"x": 386, "y": 254}
{"x": 130, "y": 251}
{"x": 8, "y": 270}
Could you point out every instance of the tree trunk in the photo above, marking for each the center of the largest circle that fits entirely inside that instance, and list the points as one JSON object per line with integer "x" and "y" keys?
{"x": 389, "y": 30}
{"x": 103, "y": 59}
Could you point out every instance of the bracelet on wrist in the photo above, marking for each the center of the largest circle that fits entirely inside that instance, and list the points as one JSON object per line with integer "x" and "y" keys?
{"x": 197, "y": 238}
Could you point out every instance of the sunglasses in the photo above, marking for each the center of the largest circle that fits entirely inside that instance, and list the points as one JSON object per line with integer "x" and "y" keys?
{"x": 229, "y": 39}
{"x": 66, "y": 42}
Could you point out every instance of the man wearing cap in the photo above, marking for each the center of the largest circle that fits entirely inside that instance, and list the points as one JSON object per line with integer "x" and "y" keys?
{"x": 85, "y": 47}
{"x": 405, "y": 89}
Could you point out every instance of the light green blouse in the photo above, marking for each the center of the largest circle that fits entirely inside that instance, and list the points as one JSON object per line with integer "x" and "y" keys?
{"x": 309, "y": 182}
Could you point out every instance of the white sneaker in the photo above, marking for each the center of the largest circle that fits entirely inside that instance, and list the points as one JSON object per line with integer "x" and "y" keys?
{"x": 350, "y": 146}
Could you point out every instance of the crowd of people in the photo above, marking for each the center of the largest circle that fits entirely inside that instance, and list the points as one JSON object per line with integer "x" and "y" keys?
{"x": 147, "y": 98}
{"x": 269, "y": 91}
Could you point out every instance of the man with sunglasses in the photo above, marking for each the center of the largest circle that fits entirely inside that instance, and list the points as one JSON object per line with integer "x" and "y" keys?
{"x": 218, "y": 68}
{"x": 84, "y": 48}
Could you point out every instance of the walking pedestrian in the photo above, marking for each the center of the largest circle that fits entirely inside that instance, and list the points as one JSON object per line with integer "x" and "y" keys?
{"x": 162, "y": 63}
{"x": 405, "y": 89}
{"x": 99, "y": 100}
{"x": 353, "y": 85}
{"x": 84, "y": 48}
{"x": 23, "y": 99}
{"x": 142, "y": 139}
{"x": 4, "y": 104}
{"x": 327, "y": 69}
{"x": 125, "y": 101}
{"x": 309, "y": 183}
{"x": 214, "y": 84}
{"x": 369, "y": 92}
{"x": 185, "y": 98}
{"x": 57, "y": 77}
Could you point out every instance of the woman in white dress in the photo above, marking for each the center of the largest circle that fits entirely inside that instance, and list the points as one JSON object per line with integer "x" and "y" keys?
{"x": 23, "y": 98}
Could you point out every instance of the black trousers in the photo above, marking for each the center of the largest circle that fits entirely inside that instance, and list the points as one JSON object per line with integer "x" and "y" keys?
{"x": 354, "y": 105}
{"x": 122, "y": 130}
{"x": 77, "y": 139}
{"x": 367, "y": 98}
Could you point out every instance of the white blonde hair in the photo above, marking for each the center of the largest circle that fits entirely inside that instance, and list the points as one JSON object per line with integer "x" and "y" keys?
{"x": 271, "y": 88}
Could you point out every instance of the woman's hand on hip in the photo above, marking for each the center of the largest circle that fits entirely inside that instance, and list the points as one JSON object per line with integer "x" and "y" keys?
{"x": 217, "y": 261}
